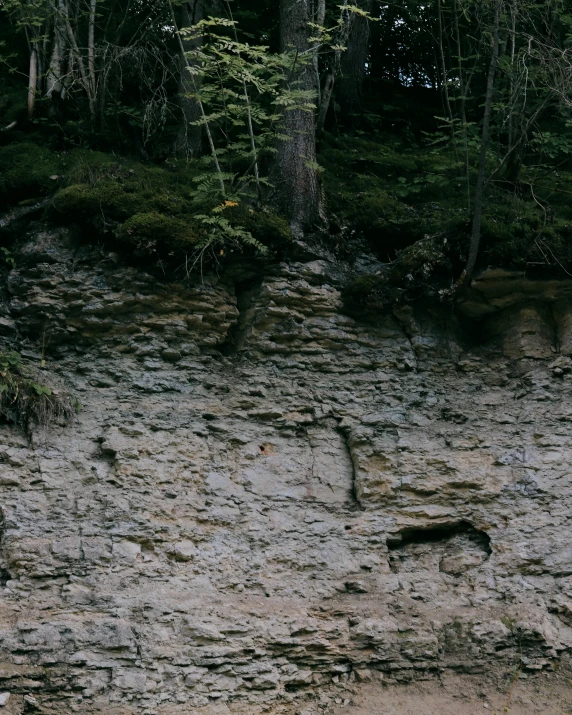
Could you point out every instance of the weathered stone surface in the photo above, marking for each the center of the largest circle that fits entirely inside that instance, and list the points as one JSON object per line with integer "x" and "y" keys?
{"x": 327, "y": 503}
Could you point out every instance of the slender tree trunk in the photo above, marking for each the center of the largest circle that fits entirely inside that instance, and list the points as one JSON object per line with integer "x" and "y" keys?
{"x": 55, "y": 88}
{"x": 32, "y": 82}
{"x": 203, "y": 115}
{"x": 75, "y": 53}
{"x": 91, "y": 47}
{"x": 249, "y": 118}
{"x": 445, "y": 78}
{"x": 320, "y": 20}
{"x": 325, "y": 102}
{"x": 54, "y": 84}
{"x": 298, "y": 194}
{"x": 480, "y": 187}
{"x": 353, "y": 67}
{"x": 347, "y": 20}
{"x": 189, "y": 140}
{"x": 321, "y": 13}
{"x": 462, "y": 101}
{"x": 511, "y": 79}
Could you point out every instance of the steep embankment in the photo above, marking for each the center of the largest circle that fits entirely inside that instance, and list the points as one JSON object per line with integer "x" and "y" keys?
{"x": 266, "y": 504}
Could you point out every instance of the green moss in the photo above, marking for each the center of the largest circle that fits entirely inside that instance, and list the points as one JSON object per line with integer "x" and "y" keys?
{"x": 26, "y": 170}
{"x": 13, "y": 102}
{"x": 396, "y": 196}
{"x": 264, "y": 225}
{"x": 149, "y": 230}
{"x": 105, "y": 198}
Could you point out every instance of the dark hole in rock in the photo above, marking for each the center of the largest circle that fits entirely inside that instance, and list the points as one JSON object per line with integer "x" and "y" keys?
{"x": 440, "y": 532}
{"x": 452, "y": 549}
{"x": 246, "y": 294}
{"x": 5, "y": 575}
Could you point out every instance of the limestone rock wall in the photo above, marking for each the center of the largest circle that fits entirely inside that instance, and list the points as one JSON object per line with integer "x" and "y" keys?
{"x": 261, "y": 496}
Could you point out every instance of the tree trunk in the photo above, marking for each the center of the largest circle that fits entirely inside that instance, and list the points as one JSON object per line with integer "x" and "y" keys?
{"x": 55, "y": 89}
{"x": 54, "y": 84}
{"x": 91, "y": 48}
{"x": 76, "y": 55}
{"x": 325, "y": 102}
{"x": 200, "y": 105}
{"x": 32, "y": 82}
{"x": 298, "y": 194}
{"x": 189, "y": 140}
{"x": 443, "y": 65}
{"x": 462, "y": 97}
{"x": 353, "y": 66}
{"x": 479, "y": 190}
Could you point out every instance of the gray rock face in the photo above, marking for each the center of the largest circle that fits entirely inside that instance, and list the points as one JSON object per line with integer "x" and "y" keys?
{"x": 327, "y": 502}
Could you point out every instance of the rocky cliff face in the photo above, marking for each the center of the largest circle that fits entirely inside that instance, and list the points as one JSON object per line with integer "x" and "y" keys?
{"x": 262, "y": 497}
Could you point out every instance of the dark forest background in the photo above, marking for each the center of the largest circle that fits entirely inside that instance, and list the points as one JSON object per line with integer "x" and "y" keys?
{"x": 435, "y": 135}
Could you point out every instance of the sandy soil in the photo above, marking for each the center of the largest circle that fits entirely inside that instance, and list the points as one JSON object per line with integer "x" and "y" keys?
{"x": 462, "y": 696}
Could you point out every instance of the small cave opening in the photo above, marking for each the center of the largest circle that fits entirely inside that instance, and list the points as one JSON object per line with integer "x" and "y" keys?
{"x": 452, "y": 549}
{"x": 440, "y": 532}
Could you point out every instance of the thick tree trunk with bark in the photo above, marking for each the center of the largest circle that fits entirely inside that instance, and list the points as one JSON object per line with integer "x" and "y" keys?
{"x": 189, "y": 141}
{"x": 298, "y": 194}
{"x": 353, "y": 67}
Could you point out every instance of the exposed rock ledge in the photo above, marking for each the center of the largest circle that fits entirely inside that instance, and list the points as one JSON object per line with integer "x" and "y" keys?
{"x": 264, "y": 504}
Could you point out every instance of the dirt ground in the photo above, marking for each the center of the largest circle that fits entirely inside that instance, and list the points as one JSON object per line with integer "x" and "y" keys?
{"x": 547, "y": 695}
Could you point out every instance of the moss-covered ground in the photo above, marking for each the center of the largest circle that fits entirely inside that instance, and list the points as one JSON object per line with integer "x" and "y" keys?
{"x": 135, "y": 204}
{"x": 407, "y": 199}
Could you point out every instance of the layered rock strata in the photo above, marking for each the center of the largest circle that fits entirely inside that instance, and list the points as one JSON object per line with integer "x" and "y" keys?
{"x": 262, "y": 496}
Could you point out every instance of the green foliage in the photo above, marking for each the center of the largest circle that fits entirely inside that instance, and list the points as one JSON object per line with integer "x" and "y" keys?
{"x": 26, "y": 401}
{"x": 7, "y": 256}
{"x": 365, "y": 181}
{"x": 522, "y": 233}
{"x": 407, "y": 183}
{"x": 243, "y": 93}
